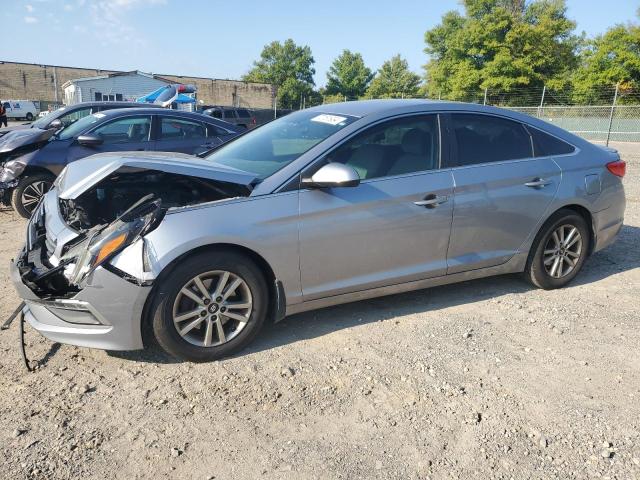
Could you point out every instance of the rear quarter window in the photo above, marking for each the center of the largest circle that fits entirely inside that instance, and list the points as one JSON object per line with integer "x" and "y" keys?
{"x": 545, "y": 145}
{"x": 243, "y": 113}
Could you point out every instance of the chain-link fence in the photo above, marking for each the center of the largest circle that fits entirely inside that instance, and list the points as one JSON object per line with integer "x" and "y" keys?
{"x": 612, "y": 115}
{"x": 598, "y": 123}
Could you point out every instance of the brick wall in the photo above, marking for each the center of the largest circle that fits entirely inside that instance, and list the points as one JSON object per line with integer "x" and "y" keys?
{"x": 26, "y": 81}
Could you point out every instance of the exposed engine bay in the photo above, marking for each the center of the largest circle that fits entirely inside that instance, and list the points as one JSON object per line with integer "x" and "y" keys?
{"x": 108, "y": 217}
{"x": 113, "y": 195}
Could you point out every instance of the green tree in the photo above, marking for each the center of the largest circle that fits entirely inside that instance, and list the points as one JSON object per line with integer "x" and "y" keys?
{"x": 502, "y": 45}
{"x": 394, "y": 80}
{"x": 287, "y": 66}
{"x": 609, "y": 59}
{"x": 348, "y": 76}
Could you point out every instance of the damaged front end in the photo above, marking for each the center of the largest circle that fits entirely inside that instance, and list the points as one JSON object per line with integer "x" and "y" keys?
{"x": 48, "y": 276}
{"x": 84, "y": 273}
{"x": 107, "y": 218}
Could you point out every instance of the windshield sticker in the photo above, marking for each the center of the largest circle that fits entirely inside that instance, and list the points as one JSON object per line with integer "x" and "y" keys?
{"x": 328, "y": 119}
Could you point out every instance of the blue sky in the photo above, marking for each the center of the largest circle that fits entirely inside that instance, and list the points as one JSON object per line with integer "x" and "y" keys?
{"x": 220, "y": 39}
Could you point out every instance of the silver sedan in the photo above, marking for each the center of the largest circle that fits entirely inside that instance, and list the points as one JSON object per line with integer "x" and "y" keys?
{"x": 327, "y": 205}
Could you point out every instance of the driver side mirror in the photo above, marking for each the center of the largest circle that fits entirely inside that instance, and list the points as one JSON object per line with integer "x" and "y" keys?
{"x": 333, "y": 175}
{"x": 55, "y": 124}
{"x": 89, "y": 140}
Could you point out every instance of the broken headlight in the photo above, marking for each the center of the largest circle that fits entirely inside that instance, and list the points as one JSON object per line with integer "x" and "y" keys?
{"x": 104, "y": 243}
{"x": 11, "y": 170}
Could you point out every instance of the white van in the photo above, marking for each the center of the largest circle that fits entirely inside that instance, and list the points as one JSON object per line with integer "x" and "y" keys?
{"x": 20, "y": 109}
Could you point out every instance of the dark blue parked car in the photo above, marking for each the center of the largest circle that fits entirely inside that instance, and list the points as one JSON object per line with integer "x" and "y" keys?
{"x": 31, "y": 159}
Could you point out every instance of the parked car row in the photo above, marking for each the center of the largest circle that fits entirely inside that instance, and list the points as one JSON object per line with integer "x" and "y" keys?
{"x": 32, "y": 156}
{"x": 327, "y": 205}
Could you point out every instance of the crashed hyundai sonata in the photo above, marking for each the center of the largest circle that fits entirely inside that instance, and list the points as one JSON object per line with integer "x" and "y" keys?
{"x": 324, "y": 206}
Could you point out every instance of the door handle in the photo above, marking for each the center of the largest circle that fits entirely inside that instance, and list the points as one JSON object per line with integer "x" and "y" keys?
{"x": 538, "y": 183}
{"x": 432, "y": 201}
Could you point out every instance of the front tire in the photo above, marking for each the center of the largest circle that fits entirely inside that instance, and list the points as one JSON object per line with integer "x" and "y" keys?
{"x": 210, "y": 306}
{"x": 27, "y": 194}
{"x": 29, "y": 116}
{"x": 559, "y": 250}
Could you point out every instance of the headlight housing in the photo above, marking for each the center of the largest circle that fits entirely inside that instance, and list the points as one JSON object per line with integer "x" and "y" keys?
{"x": 105, "y": 242}
{"x": 11, "y": 170}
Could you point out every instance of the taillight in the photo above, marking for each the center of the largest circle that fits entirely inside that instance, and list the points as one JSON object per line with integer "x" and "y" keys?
{"x": 253, "y": 120}
{"x": 618, "y": 168}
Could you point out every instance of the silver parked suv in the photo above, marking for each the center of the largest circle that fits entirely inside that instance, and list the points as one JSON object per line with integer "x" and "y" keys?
{"x": 328, "y": 205}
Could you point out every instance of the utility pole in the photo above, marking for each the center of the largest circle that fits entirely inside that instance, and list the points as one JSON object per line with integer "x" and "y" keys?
{"x": 613, "y": 109}
{"x": 544, "y": 91}
{"x": 485, "y": 97}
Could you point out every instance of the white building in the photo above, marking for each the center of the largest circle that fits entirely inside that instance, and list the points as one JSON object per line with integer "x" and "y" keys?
{"x": 124, "y": 86}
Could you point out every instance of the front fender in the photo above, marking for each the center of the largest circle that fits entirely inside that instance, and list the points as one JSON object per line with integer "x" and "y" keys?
{"x": 266, "y": 225}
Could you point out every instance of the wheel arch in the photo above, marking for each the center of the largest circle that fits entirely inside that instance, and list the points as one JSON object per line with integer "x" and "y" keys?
{"x": 277, "y": 302}
{"x": 581, "y": 210}
{"x": 36, "y": 169}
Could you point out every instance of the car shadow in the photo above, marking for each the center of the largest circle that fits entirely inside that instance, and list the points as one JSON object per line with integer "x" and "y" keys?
{"x": 622, "y": 255}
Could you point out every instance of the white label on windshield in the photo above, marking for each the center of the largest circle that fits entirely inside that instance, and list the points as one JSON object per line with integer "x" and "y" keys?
{"x": 330, "y": 119}
{"x": 99, "y": 115}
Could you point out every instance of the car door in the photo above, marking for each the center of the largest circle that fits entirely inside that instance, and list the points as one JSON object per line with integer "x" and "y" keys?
{"x": 501, "y": 192}
{"x": 177, "y": 134}
{"x": 121, "y": 134}
{"x": 393, "y": 227}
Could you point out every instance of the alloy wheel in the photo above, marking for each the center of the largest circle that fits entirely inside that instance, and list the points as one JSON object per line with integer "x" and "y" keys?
{"x": 212, "y": 308}
{"x": 562, "y": 251}
{"x": 32, "y": 194}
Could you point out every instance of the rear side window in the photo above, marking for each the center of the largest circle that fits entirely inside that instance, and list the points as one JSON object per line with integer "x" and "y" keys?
{"x": 229, "y": 113}
{"x": 215, "y": 131}
{"x": 179, "y": 129}
{"x": 545, "y": 145}
{"x": 243, "y": 113}
{"x": 485, "y": 139}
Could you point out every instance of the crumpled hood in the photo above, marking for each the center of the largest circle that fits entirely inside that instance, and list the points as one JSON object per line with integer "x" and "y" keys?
{"x": 81, "y": 175}
{"x": 13, "y": 128}
{"x": 21, "y": 138}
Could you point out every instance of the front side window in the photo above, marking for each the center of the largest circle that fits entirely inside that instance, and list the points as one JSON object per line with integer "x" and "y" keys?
{"x": 398, "y": 147}
{"x": 273, "y": 146}
{"x": 180, "y": 129}
{"x": 125, "y": 130}
{"x": 545, "y": 145}
{"x": 74, "y": 116}
{"x": 485, "y": 139}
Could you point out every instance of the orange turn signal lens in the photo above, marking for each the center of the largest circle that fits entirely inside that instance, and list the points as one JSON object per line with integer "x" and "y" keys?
{"x": 109, "y": 247}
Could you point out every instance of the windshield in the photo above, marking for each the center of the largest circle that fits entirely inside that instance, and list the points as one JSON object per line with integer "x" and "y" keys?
{"x": 273, "y": 146}
{"x": 80, "y": 126}
{"x": 42, "y": 122}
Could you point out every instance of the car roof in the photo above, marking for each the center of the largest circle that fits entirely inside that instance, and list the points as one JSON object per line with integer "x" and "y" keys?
{"x": 111, "y": 104}
{"x": 153, "y": 110}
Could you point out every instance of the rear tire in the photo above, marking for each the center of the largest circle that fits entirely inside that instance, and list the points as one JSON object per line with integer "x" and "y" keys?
{"x": 30, "y": 189}
{"x": 559, "y": 250}
{"x": 29, "y": 116}
{"x": 181, "y": 324}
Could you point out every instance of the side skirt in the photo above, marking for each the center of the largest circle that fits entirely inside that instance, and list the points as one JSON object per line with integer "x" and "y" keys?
{"x": 515, "y": 265}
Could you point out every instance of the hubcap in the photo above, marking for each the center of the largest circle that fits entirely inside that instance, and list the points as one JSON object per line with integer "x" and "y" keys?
{"x": 212, "y": 308}
{"x": 32, "y": 194}
{"x": 562, "y": 251}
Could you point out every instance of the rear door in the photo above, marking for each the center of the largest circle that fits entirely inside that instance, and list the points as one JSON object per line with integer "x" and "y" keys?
{"x": 501, "y": 192}
{"x": 177, "y": 134}
{"x": 131, "y": 133}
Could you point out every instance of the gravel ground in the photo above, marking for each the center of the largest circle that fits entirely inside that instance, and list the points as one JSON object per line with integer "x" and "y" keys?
{"x": 486, "y": 379}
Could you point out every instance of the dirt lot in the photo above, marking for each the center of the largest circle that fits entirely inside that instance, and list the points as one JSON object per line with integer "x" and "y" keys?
{"x": 488, "y": 379}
